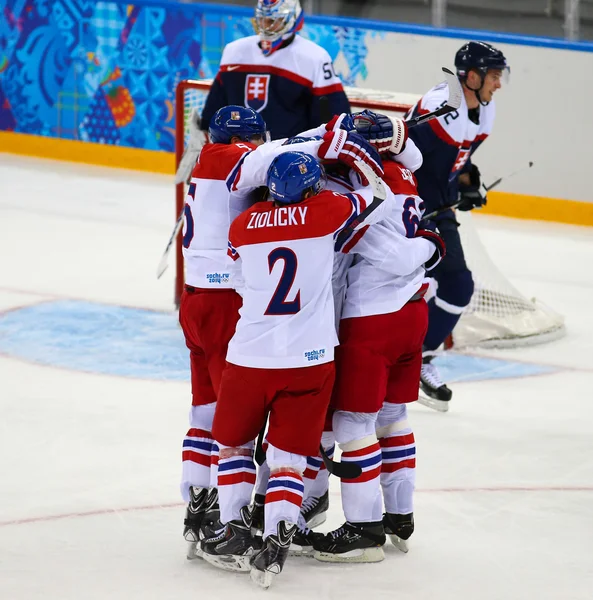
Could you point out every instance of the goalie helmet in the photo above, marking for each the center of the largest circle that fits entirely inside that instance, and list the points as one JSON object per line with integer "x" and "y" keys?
{"x": 292, "y": 174}
{"x": 276, "y": 21}
{"x": 236, "y": 121}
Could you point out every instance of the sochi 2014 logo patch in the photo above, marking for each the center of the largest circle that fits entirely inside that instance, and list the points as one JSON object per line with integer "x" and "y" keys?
{"x": 256, "y": 91}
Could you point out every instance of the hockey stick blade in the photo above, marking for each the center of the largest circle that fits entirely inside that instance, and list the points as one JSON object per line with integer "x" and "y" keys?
{"x": 164, "y": 263}
{"x": 340, "y": 469}
{"x": 374, "y": 180}
{"x": 453, "y": 102}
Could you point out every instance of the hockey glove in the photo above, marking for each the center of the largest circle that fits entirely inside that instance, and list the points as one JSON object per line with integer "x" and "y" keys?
{"x": 387, "y": 134}
{"x": 470, "y": 194}
{"x": 348, "y": 148}
{"x": 440, "y": 248}
{"x": 469, "y": 200}
{"x": 343, "y": 121}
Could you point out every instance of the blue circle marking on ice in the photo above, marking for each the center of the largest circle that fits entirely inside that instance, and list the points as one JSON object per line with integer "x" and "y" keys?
{"x": 98, "y": 338}
{"x": 134, "y": 342}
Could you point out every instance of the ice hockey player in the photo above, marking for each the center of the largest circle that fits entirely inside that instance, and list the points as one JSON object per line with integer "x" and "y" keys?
{"x": 384, "y": 319}
{"x": 278, "y": 73}
{"x": 447, "y": 176}
{"x": 221, "y": 187}
{"x": 280, "y": 359}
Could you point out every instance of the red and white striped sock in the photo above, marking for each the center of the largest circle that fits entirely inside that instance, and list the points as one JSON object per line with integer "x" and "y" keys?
{"x": 236, "y": 478}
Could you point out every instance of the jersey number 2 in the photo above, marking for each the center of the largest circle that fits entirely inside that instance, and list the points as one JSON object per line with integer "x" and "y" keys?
{"x": 278, "y": 304}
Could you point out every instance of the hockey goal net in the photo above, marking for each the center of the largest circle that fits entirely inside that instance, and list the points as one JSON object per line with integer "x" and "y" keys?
{"x": 499, "y": 314}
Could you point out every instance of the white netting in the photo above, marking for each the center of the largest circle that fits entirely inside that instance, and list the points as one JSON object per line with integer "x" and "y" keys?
{"x": 499, "y": 315}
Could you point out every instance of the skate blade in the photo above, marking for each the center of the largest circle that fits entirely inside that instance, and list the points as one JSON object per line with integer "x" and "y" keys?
{"x": 193, "y": 551}
{"x": 399, "y": 543}
{"x": 230, "y": 562}
{"x": 439, "y": 405}
{"x": 317, "y": 520}
{"x": 262, "y": 578}
{"x": 296, "y": 550}
{"x": 362, "y": 555}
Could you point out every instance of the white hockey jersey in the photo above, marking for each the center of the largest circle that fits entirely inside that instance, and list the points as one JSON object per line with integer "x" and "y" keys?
{"x": 447, "y": 144}
{"x": 384, "y": 267}
{"x": 286, "y": 257}
{"x": 221, "y": 187}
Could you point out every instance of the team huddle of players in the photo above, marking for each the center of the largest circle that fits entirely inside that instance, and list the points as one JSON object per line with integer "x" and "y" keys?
{"x": 303, "y": 309}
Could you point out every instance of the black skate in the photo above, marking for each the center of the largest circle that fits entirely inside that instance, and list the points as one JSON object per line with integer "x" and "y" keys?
{"x": 353, "y": 542}
{"x": 436, "y": 394}
{"x": 232, "y": 548}
{"x": 257, "y": 513}
{"x": 304, "y": 542}
{"x": 314, "y": 510}
{"x": 211, "y": 522}
{"x": 399, "y": 528}
{"x": 194, "y": 515}
{"x": 268, "y": 562}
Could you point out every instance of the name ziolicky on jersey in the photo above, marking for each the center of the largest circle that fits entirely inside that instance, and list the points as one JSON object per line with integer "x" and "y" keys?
{"x": 313, "y": 355}
{"x": 218, "y": 277}
{"x": 279, "y": 217}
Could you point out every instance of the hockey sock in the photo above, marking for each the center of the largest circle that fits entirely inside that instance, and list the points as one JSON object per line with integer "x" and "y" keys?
{"x": 398, "y": 450}
{"x": 214, "y": 465}
{"x": 442, "y": 318}
{"x": 361, "y": 497}
{"x": 263, "y": 474}
{"x": 285, "y": 488}
{"x": 236, "y": 478}
{"x": 320, "y": 484}
{"x": 197, "y": 449}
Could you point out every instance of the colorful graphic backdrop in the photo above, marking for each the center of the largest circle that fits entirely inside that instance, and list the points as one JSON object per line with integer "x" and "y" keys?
{"x": 106, "y": 71}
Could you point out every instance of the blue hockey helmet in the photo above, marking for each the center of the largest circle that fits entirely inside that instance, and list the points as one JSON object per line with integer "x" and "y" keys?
{"x": 481, "y": 57}
{"x": 292, "y": 174}
{"x": 276, "y": 21}
{"x": 236, "y": 121}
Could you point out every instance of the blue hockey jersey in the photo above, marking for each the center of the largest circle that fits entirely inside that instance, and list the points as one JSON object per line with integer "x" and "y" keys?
{"x": 285, "y": 87}
{"x": 447, "y": 144}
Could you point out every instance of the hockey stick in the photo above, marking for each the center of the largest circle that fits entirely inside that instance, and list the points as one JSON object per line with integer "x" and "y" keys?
{"x": 453, "y": 102}
{"x": 343, "y": 470}
{"x": 164, "y": 263}
{"x": 486, "y": 187}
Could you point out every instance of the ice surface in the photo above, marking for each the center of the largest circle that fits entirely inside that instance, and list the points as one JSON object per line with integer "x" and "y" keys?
{"x": 89, "y": 462}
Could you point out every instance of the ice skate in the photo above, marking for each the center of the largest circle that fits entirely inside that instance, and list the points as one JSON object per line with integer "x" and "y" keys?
{"x": 399, "y": 528}
{"x": 232, "y": 548}
{"x": 194, "y": 515}
{"x": 314, "y": 510}
{"x": 352, "y": 543}
{"x": 435, "y": 394}
{"x": 303, "y": 542}
{"x": 211, "y": 522}
{"x": 269, "y": 561}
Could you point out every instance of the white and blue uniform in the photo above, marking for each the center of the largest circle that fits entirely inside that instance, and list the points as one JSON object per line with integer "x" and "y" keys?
{"x": 285, "y": 87}
{"x": 447, "y": 145}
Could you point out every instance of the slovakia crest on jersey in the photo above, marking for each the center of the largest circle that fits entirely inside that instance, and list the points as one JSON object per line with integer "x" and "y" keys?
{"x": 256, "y": 91}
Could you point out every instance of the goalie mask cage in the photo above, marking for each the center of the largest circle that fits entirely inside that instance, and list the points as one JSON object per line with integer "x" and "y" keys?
{"x": 498, "y": 315}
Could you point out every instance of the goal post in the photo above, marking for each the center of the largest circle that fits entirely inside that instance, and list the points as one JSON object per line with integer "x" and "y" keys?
{"x": 499, "y": 315}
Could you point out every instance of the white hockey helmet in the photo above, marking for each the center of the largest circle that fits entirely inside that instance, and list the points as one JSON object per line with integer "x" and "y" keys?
{"x": 277, "y": 20}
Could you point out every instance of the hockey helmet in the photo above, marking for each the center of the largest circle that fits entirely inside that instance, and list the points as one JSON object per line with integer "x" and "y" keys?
{"x": 276, "y": 21}
{"x": 292, "y": 174}
{"x": 236, "y": 121}
{"x": 480, "y": 57}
